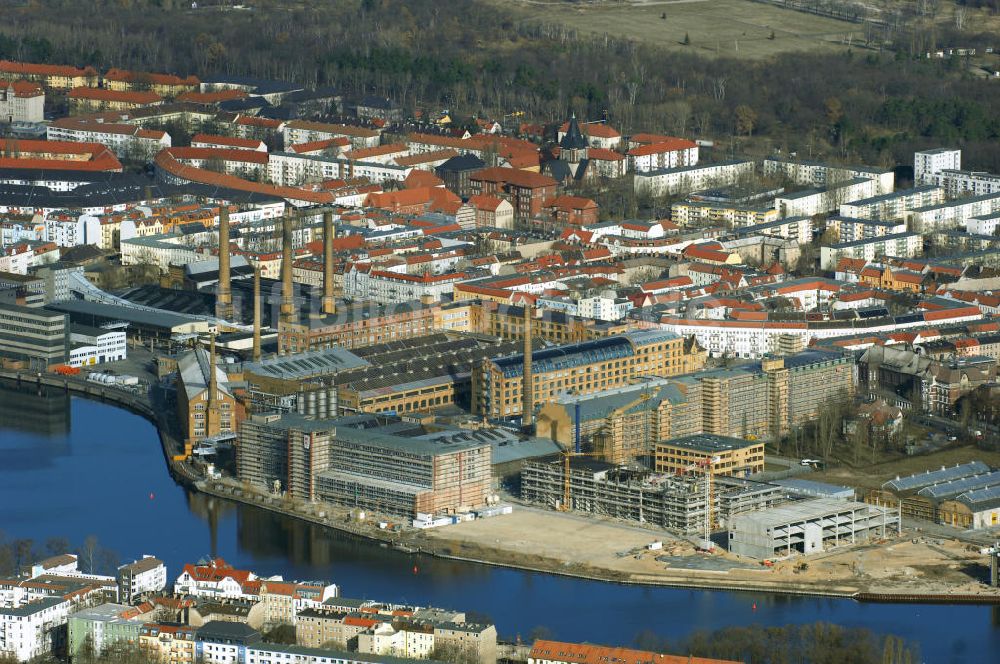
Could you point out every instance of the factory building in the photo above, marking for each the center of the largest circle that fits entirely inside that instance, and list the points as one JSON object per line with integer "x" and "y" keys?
{"x": 675, "y": 502}
{"x": 417, "y": 375}
{"x": 582, "y": 368}
{"x": 206, "y": 406}
{"x": 964, "y": 495}
{"x": 394, "y": 475}
{"x": 756, "y": 400}
{"x": 355, "y": 326}
{"x": 809, "y": 526}
{"x": 304, "y": 382}
{"x": 726, "y": 455}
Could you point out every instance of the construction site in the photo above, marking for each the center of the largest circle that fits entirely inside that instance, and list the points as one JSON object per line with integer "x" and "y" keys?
{"x": 674, "y": 502}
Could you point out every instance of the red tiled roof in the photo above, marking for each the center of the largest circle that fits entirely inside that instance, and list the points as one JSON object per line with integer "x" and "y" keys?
{"x": 225, "y": 154}
{"x": 23, "y": 88}
{"x": 513, "y": 176}
{"x": 337, "y": 129}
{"x": 670, "y": 145}
{"x": 317, "y": 146}
{"x": 32, "y": 69}
{"x": 604, "y": 154}
{"x": 126, "y": 76}
{"x": 595, "y": 129}
{"x": 571, "y": 203}
{"x": 418, "y": 178}
{"x": 101, "y": 157}
{"x": 234, "y": 141}
{"x": 581, "y": 653}
{"x": 485, "y": 202}
{"x": 102, "y": 94}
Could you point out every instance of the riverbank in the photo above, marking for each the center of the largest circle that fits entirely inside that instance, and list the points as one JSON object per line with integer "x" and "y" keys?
{"x": 581, "y": 546}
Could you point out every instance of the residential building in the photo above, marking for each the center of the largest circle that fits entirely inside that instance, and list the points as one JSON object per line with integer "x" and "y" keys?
{"x": 167, "y": 85}
{"x": 665, "y": 154}
{"x": 56, "y": 77}
{"x": 30, "y": 630}
{"x": 953, "y": 214}
{"x": 101, "y": 627}
{"x": 685, "y": 179}
{"x": 218, "y": 642}
{"x": 897, "y": 245}
{"x": 598, "y": 134}
{"x": 84, "y": 100}
{"x": 143, "y": 577}
{"x": 928, "y": 163}
{"x": 525, "y": 190}
{"x": 162, "y": 643}
{"x": 305, "y": 131}
{"x": 815, "y": 174}
{"x": 696, "y": 213}
{"x": 810, "y": 202}
{"x": 21, "y": 101}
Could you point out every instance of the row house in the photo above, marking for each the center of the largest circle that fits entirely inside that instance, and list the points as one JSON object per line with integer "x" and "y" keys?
{"x": 55, "y": 77}
{"x": 88, "y": 100}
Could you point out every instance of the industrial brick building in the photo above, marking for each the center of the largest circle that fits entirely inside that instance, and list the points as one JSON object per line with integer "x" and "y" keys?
{"x": 206, "y": 407}
{"x": 582, "y": 368}
{"x": 395, "y": 475}
{"x": 340, "y": 461}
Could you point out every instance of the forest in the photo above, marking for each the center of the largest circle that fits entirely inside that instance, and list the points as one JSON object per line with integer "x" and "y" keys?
{"x": 476, "y": 60}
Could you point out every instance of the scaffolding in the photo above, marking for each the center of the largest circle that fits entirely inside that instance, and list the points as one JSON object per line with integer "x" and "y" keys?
{"x": 674, "y": 502}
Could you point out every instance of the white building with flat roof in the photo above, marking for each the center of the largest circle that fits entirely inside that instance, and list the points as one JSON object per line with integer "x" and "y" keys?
{"x": 927, "y": 163}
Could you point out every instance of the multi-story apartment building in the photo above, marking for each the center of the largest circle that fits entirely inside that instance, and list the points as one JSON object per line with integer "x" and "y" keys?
{"x": 799, "y": 229}
{"x": 691, "y": 213}
{"x": 526, "y": 191}
{"x": 144, "y": 576}
{"x": 101, "y": 627}
{"x": 894, "y": 206}
{"x": 21, "y": 101}
{"x": 928, "y": 163}
{"x": 815, "y": 174}
{"x": 663, "y": 154}
{"x": 810, "y": 202}
{"x": 56, "y": 77}
{"x": 30, "y": 630}
{"x": 167, "y": 643}
{"x": 167, "y": 85}
{"x": 850, "y": 229}
{"x": 897, "y": 245}
{"x": 125, "y": 140}
{"x": 685, "y": 179}
{"x": 89, "y": 100}
{"x": 585, "y": 367}
{"x": 952, "y": 214}
{"x": 385, "y": 287}
{"x": 305, "y": 131}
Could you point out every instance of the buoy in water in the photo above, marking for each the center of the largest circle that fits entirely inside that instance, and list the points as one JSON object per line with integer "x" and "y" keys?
{"x": 415, "y": 569}
{"x": 151, "y": 495}
{"x": 754, "y": 607}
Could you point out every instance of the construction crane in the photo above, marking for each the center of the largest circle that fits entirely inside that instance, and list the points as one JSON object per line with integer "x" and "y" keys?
{"x": 994, "y": 553}
{"x": 705, "y": 466}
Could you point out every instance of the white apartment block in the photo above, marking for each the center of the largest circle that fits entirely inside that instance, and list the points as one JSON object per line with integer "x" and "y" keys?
{"x": 303, "y": 131}
{"x": 927, "y": 163}
{"x": 985, "y": 225}
{"x": 16, "y": 258}
{"x": 658, "y": 156}
{"x": 686, "y": 213}
{"x": 683, "y": 180}
{"x": 898, "y": 245}
{"x": 70, "y": 228}
{"x": 952, "y": 214}
{"x": 21, "y": 101}
{"x": 125, "y": 140}
{"x": 27, "y": 630}
{"x": 967, "y": 183}
{"x": 287, "y": 169}
{"x": 146, "y": 575}
{"x": 387, "y": 287}
{"x": 894, "y": 205}
{"x": 604, "y": 308}
{"x": 851, "y": 230}
{"x": 408, "y": 642}
{"x": 159, "y": 250}
{"x": 815, "y": 174}
{"x": 810, "y": 202}
{"x": 799, "y": 229}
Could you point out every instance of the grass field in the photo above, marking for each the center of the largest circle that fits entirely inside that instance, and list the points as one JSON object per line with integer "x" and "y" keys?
{"x": 733, "y": 28}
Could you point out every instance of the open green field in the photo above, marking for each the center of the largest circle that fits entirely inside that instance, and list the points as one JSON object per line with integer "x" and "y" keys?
{"x": 732, "y": 28}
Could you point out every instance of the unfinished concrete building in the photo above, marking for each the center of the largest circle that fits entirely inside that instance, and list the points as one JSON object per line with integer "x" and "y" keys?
{"x": 809, "y": 526}
{"x": 674, "y": 502}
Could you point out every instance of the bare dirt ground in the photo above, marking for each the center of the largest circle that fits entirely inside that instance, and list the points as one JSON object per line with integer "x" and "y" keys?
{"x": 603, "y": 548}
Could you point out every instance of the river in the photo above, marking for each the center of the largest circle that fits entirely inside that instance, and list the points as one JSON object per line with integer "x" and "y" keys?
{"x": 72, "y": 468}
